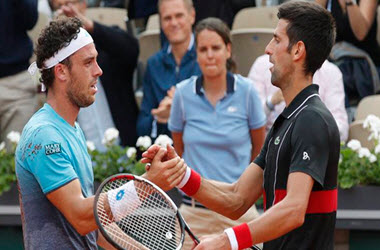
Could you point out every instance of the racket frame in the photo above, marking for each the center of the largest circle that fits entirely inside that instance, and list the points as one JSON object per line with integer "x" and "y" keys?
{"x": 131, "y": 177}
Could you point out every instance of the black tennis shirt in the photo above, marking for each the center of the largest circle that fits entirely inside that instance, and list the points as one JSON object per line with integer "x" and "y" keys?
{"x": 304, "y": 138}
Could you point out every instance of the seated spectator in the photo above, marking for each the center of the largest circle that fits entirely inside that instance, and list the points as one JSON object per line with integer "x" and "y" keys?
{"x": 357, "y": 52}
{"x": 217, "y": 115}
{"x": 331, "y": 91}
{"x": 118, "y": 52}
{"x": 173, "y": 63}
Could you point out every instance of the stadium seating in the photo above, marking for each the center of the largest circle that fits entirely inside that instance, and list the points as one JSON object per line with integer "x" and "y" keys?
{"x": 247, "y": 45}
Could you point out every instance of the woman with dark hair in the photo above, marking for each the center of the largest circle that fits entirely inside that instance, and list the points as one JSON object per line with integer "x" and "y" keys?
{"x": 217, "y": 115}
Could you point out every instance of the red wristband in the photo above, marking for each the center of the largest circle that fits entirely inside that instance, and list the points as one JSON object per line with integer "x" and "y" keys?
{"x": 243, "y": 236}
{"x": 193, "y": 184}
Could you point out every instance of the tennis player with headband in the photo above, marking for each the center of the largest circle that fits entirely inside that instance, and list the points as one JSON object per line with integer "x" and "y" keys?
{"x": 296, "y": 169}
{"x": 53, "y": 168}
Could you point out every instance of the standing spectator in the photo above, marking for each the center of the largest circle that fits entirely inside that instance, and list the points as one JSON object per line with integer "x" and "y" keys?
{"x": 331, "y": 90}
{"x": 175, "y": 62}
{"x": 217, "y": 115}
{"x": 18, "y": 99}
{"x": 118, "y": 52}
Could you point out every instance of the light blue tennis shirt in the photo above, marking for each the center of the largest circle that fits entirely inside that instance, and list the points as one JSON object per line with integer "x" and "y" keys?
{"x": 50, "y": 154}
{"x": 217, "y": 141}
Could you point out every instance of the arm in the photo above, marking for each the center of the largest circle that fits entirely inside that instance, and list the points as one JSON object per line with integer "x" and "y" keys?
{"x": 102, "y": 242}
{"x": 78, "y": 210}
{"x": 178, "y": 143}
{"x": 25, "y": 13}
{"x": 285, "y": 216}
{"x": 361, "y": 17}
{"x": 232, "y": 200}
{"x": 257, "y": 140}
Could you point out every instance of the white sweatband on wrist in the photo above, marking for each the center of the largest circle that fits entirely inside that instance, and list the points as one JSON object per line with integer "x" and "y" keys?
{"x": 123, "y": 200}
{"x": 185, "y": 179}
{"x": 232, "y": 238}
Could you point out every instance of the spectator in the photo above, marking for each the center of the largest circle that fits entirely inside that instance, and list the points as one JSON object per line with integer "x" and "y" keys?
{"x": 18, "y": 99}
{"x": 356, "y": 27}
{"x": 173, "y": 63}
{"x": 118, "y": 52}
{"x": 212, "y": 117}
{"x": 328, "y": 77}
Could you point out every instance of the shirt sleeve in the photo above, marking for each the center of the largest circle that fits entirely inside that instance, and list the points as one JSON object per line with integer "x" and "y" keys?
{"x": 48, "y": 159}
{"x": 256, "y": 115}
{"x": 177, "y": 121}
{"x": 310, "y": 147}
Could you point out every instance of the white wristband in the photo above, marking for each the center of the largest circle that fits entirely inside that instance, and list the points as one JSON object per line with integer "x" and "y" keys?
{"x": 123, "y": 200}
{"x": 232, "y": 238}
{"x": 185, "y": 179}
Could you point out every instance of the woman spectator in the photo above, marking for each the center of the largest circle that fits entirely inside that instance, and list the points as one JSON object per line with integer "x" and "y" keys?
{"x": 217, "y": 115}
{"x": 356, "y": 24}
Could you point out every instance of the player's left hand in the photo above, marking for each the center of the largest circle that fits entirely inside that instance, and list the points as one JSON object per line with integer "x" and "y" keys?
{"x": 215, "y": 241}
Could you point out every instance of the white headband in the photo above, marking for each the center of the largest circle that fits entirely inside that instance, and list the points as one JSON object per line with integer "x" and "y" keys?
{"x": 83, "y": 38}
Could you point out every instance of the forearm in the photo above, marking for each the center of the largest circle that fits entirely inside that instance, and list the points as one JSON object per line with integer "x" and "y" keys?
{"x": 102, "y": 242}
{"x": 232, "y": 200}
{"x": 83, "y": 219}
{"x": 359, "y": 25}
{"x": 224, "y": 199}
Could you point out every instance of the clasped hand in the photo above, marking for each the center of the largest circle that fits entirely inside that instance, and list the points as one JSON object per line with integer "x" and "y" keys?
{"x": 165, "y": 168}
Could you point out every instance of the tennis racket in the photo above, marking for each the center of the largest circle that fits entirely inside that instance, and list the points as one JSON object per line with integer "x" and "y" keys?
{"x": 147, "y": 218}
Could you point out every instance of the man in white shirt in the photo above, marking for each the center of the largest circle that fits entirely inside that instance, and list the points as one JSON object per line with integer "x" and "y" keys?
{"x": 331, "y": 90}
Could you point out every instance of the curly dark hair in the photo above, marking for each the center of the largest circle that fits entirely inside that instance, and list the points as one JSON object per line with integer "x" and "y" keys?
{"x": 55, "y": 36}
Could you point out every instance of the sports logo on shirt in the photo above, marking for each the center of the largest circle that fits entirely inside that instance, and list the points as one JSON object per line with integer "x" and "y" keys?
{"x": 277, "y": 140}
{"x": 305, "y": 156}
{"x": 231, "y": 109}
{"x": 52, "y": 148}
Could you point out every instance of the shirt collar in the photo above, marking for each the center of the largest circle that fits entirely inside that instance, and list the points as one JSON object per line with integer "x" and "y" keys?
{"x": 300, "y": 100}
{"x": 169, "y": 49}
{"x": 231, "y": 84}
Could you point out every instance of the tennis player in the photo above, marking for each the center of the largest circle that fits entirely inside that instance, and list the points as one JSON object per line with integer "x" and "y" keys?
{"x": 53, "y": 167}
{"x": 296, "y": 169}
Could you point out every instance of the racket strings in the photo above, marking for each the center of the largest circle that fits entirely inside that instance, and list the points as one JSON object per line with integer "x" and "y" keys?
{"x": 150, "y": 223}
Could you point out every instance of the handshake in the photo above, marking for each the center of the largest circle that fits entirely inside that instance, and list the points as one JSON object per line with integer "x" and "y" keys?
{"x": 167, "y": 170}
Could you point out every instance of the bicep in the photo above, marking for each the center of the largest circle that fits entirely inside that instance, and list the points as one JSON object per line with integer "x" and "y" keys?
{"x": 298, "y": 190}
{"x": 66, "y": 198}
{"x": 77, "y": 209}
